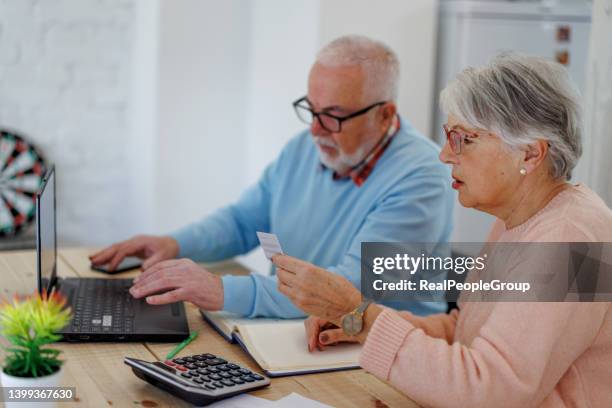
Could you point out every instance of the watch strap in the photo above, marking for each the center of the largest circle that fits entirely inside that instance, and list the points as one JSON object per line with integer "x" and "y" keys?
{"x": 363, "y": 306}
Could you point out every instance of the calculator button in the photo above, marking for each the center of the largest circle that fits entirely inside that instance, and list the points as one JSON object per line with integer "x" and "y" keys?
{"x": 170, "y": 363}
{"x": 194, "y": 373}
{"x": 223, "y": 368}
{"x": 244, "y": 371}
{"x": 200, "y": 358}
{"x": 218, "y": 385}
{"x": 179, "y": 361}
{"x": 189, "y": 359}
{"x": 200, "y": 364}
{"x": 198, "y": 381}
{"x": 186, "y": 375}
{"x": 202, "y": 371}
{"x": 215, "y": 361}
{"x": 247, "y": 378}
{"x": 238, "y": 380}
{"x": 210, "y": 387}
{"x": 208, "y": 356}
{"x": 257, "y": 377}
{"x": 205, "y": 378}
{"x": 235, "y": 373}
{"x": 233, "y": 366}
{"x": 225, "y": 375}
{"x": 227, "y": 382}
{"x": 212, "y": 370}
{"x": 191, "y": 366}
{"x": 180, "y": 367}
{"x": 214, "y": 377}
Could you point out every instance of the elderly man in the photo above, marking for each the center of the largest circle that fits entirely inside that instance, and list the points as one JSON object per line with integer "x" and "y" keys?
{"x": 359, "y": 174}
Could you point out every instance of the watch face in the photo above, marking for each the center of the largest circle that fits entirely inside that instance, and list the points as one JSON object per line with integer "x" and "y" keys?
{"x": 352, "y": 324}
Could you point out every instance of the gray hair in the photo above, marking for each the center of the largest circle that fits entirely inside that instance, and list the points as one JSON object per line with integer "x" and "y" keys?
{"x": 522, "y": 99}
{"x": 378, "y": 61}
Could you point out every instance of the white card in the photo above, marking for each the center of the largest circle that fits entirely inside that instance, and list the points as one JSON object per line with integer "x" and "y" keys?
{"x": 270, "y": 244}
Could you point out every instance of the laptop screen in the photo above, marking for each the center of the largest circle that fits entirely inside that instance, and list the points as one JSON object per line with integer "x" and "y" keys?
{"x": 46, "y": 248}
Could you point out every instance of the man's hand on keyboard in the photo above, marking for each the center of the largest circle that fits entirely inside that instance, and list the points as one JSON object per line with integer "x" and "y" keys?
{"x": 179, "y": 280}
{"x": 152, "y": 249}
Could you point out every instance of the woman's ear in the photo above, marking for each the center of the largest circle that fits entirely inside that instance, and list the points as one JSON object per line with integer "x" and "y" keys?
{"x": 534, "y": 155}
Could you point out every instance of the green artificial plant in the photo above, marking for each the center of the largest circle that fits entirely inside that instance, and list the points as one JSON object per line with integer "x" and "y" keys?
{"x": 29, "y": 324}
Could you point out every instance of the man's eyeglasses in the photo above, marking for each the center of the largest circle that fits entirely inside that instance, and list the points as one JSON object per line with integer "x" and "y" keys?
{"x": 456, "y": 138}
{"x": 329, "y": 122}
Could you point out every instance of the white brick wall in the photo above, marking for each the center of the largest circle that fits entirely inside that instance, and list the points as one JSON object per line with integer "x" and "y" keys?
{"x": 64, "y": 82}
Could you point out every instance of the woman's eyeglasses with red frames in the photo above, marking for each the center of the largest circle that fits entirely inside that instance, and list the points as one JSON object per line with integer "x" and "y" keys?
{"x": 456, "y": 138}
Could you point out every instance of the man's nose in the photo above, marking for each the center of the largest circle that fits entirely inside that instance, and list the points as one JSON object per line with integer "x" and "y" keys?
{"x": 316, "y": 128}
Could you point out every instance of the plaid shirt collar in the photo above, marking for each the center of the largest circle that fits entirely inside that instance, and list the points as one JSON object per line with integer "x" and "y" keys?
{"x": 360, "y": 172}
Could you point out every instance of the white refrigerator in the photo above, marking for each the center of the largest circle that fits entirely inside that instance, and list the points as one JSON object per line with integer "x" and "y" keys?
{"x": 471, "y": 32}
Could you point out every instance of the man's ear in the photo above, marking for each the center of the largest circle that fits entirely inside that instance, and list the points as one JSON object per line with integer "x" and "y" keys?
{"x": 387, "y": 112}
{"x": 534, "y": 155}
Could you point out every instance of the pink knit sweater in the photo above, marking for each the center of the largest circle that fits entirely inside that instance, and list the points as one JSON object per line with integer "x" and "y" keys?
{"x": 507, "y": 354}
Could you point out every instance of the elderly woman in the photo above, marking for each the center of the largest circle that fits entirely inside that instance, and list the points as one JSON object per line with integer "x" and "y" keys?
{"x": 513, "y": 138}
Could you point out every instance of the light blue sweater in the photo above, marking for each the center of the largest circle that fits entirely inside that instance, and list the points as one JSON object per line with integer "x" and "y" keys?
{"x": 406, "y": 198}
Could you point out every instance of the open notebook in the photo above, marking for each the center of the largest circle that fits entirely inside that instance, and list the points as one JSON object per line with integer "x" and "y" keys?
{"x": 280, "y": 347}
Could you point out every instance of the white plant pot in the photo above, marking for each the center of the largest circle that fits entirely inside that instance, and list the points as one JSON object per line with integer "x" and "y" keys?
{"x": 53, "y": 380}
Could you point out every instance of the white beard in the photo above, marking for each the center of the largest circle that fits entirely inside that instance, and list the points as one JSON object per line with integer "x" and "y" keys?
{"x": 342, "y": 162}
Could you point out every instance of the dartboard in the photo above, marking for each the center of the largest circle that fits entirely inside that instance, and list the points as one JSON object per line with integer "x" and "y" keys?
{"x": 21, "y": 172}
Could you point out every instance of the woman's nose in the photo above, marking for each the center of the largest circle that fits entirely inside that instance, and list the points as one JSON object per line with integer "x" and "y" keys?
{"x": 447, "y": 155}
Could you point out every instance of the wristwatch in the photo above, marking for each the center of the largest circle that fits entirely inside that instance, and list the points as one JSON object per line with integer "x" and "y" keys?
{"x": 352, "y": 323}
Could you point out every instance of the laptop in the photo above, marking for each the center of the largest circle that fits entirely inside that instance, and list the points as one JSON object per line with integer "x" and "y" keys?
{"x": 103, "y": 309}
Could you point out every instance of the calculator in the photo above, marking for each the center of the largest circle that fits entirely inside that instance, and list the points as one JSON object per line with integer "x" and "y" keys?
{"x": 200, "y": 379}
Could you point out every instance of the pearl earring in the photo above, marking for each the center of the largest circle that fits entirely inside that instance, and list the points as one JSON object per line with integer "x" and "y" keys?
{"x": 523, "y": 171}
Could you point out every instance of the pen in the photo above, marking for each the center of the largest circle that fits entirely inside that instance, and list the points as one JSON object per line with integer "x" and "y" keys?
{"x": 181, "y": 346}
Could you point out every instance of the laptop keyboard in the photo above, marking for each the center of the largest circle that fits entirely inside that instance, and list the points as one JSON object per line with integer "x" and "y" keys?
{"x": 103, "y": 306}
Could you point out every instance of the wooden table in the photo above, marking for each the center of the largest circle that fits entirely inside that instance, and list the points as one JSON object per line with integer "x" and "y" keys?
{"x": 102, "y": 379}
